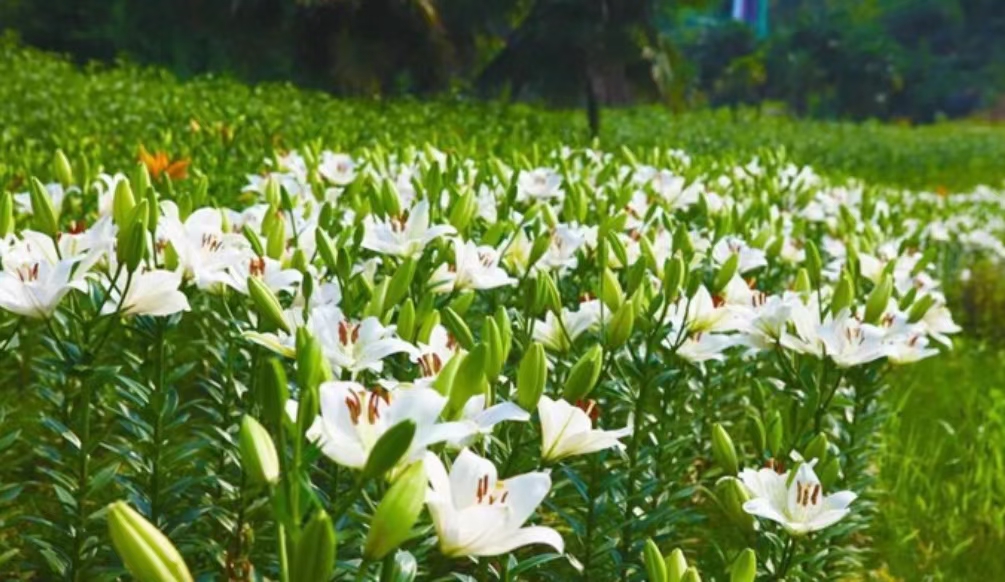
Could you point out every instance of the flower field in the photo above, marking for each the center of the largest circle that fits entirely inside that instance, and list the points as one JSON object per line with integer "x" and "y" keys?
{"x": 260, "y": 334}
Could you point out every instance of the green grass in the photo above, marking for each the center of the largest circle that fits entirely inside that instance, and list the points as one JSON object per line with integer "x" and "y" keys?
{"x": 942, "y": 469}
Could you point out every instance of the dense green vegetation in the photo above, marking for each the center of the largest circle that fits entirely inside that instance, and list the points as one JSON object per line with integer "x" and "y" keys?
{"x": 925, "y": 457}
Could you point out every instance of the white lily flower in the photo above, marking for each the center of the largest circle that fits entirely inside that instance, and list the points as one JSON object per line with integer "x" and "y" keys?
{"x": 482, "y": 420}
{"x": 405, "y": 236}
{"x": 750, "y": 258}
{"x": 849, "y": 342}
{"x": 567, "y": 430}
{"x": 204, "y": 250}
{"x": 551, "y": 334}
{"x": 800, "y": 507}
{"x": 35, "y": 289}
{"x": 149, "y": 293}
{"x": 354, "y": 418}
{"x": 355, "y": 346}
{"x": 476, "y": 514}
{"x": 475, "y": 267}
{"x": 339, "y": 169}
{"x": 539, "y": 184}
{"x": 268, "y": 270}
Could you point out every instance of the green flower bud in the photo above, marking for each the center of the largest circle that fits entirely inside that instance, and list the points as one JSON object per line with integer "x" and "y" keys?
{"x": 131, "y": 241}
{"x": 723, "y": 450}
{"x": 314, "y": 554}
{"x": 375, "y": 307}
{"x": 61, "y": 167}
{"x": 802, "y": 284}
{"x": 397, "y": 513}
{"x": 389, "y": 199}
{"x": 267, "y": 304}
{"x": 494, "y": 353}
{"x": 123, "y": 202}
{"x": 538, "y": 249}
{"x": 253, "y": 240}
{"x": 505, "y": 331}
{"x": 153, "y": 209}
{"x": 258, "y": 452}
{"x": 274, "y": 390}
{"x": 610, "y": 291}
{"x": 6, "y": 214}
{"x": 929, "y": 255}
{"x": 776, "y": 432}
{"x": 462, "y": 302}
{"x": 406, "y": 320}
{"x": 656, "y": 568}
{"x": 732, "y": 495}
{"x": 397, "y": 289}
{"x": 757, "y": 433}
{"x": 842, "y": 295}
{"x": 744, "y": 568}
{"x": 142, "y": 179}
{"x": 146, "y": 552}
{"x": 45, "y": 216}
{"x": 469, "y": 380}
{"x": 326, "y": 248}
{"x": 908, "y": 299}
{"x": 445, "y": 379}
{"x": 429, "y": 322}
{"x": 920, "y": 308}
{"x": 458, "y": 328}
{"x": 584, "y": 375}
{"x": 691, "y": 575}
{"x": 531, "y": 377}
{"x": 878, "y": 300}
{"x": 676, "y": 565}
{"x": 463, "y": 211}
{"x": 548, "y": 297}
{"x": 814, "y": 264}
{"x": 674, "y": 275}
{"x": 404, "y": 568}
{"x": 275, "y": 238}
{"x": 682, "y": 242}
{"x": 272, "y": 196}
{"x": 816, "y": 448}
{"x": 389, "y": 449}
{"x": 726, "y": 272}
{"x": 311, "y": 363}
{"x": 620, "y": 328}
{"x": 829, "y": 471}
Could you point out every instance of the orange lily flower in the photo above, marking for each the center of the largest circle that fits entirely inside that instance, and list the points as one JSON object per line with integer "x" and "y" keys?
{"x": 159, "y": 163}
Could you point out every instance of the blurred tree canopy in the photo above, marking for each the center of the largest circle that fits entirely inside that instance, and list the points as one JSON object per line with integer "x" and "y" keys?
{"x": 914, "y": 59}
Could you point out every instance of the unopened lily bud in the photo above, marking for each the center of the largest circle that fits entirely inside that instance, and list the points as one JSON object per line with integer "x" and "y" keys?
{"x": 878, "y": 300}
{"x": 462, "y": 302}
{"x": 691, "y": 575}
{"x": 6, "y": 214}
{"x": 398, "y": 288}
{"x": 131, "y": 242}
{"x": 463, "y": 211}
{"x": 610, "y": 290}
{"x": 123, "y": 202}
{"x": 920, "y": 308}
{"x": 458, "y": 328}
{"x": 617, "y": 247}
{"x": 548, "y": 298}
{"x": 505, "y": 331}
{"x": 272, "y": 197}
{"x": 829, "y": 471}
{"x": 814, "y": 264}
{"x": 469, "y": 380}
{"x": 676, "y": 565}
{"x": 929, "y": 255}
{"x": 389, "y": 199}
{"x": 429, "y": 323}
{"x": 757, "y": 433}
{"x": 45, "y": 216}
{"x": 648, "y": 255}
{"x": 732, "y": 495}
{"x": 538, "y": 249}
{"x": 258, "y": 452}
{"x": 275, "y": 241}
{"x": 842, "y": 296}
{"x": 253, "y": 239}
{"x": 268, "y": 304}
{"x": 311, "y": 364}
{"x": 802, "y": 284}
{"x": 146, "y": 552}
{"x": 397, "y": 513}
{"x": 141, "y": 178}
{"x": 390, "y": 448}
{"x": 656, "y": 567}
{"x": 445, "y": 379}
{"x": 404, "y": 568}
{"x": 326, "y": 248}
{"x": 548, "y": 215}
{"x": 494, "y": 352}
{"x": 61, "y": 167}
{"x": 682, "y": 242}
{"x": 314, "y": 553}
{"x": 406, "y": 320}
{"x": 531, "y": 377}
{"x": 673, "y": 278}
{"x": 153, "y": 209}
{"x": 726, "y": 272}
{"x": 723, "y": 450}
{"x": 744, "y": 568}
{"x": 274, "y": 389}
{"x": 816, "y": 448}
{"x": 584, "y": 375}
{"x": 908, "y": 299}
{"x": 620, "y": 328}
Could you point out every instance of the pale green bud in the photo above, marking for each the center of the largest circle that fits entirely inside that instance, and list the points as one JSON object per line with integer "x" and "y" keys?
{"x": 258, "y": 452}
{"x": 744, "y": 568}
{"x": 656, "y": 568}
{"x": 146, "y": 552}
{"x": 610, "y": 291}
{"x": 584, "y": 375}
{"x": 390, "y": 448}
{"x": 45, "y": 216}
{"x": 676, "y": 565}
{"x": 723, "y": 450}
{"x": 531, "y": 377}
{"x": 61, "y": 167}
{"x": 397, "y": 513}
{"x": 268, "y": 304}
{"x": 123, "y": 202}
{"x": 314, "y": 554}
{"x": 620, "y": 328}
{"x": 726, "y": 272}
